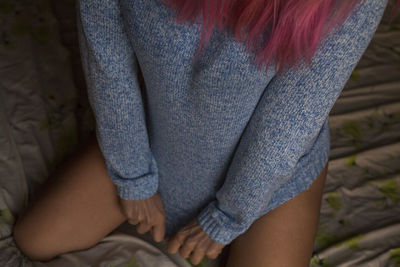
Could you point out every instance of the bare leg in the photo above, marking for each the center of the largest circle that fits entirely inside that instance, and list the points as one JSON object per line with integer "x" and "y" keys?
{"x": 283, "y": 237}
{"x": 73, "y": 210}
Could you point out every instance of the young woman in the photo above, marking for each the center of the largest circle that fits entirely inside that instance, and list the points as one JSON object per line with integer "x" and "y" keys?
{"x": 225, "y": 144}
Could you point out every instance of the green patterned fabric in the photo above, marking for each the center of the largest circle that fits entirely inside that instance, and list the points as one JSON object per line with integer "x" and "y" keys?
{"x": 360, "y": 208}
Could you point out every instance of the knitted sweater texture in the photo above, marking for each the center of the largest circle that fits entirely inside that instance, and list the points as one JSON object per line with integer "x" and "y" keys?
{"x": 220, "y": 140}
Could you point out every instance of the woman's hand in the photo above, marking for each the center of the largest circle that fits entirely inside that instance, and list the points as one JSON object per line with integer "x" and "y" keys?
{"x": 192, "y": 240}
{"x": 148, "y": 214}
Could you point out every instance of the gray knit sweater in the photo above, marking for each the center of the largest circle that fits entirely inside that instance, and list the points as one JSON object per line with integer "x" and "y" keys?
{"x": 220, "y": 140}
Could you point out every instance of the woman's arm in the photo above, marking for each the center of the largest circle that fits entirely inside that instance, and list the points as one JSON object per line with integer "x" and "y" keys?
{"x": 110, "y": 69}
{"x": 283, "y": 127}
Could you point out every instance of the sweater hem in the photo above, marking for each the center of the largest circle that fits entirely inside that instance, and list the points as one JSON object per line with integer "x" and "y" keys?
{"x": 219, "y": 232}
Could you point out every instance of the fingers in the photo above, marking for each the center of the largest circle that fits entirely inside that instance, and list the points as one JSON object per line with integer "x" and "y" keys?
{"x": 196, "y": 248}
{"x": 147, "y": 214}
{"x": 197, "y": 256}
{"x": 155, "y": 226}
{"x": 191, "y": 241}
{"x": 214, "y": 250}
{"x": 187, "y": 247}
{"x": 134, "y": 217}
{"x": 200, "y": 251}
{"x": 158, "y": 232}
{"x": 200, "y": 247}
{"x": 145, "y": 222}
{"x": 175, "y": 242}
{"x": 143, "y": 227}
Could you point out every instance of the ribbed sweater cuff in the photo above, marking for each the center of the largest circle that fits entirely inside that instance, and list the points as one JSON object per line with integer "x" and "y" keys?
{"x": 216, "y": 225}
{"x": 136, "y": 188}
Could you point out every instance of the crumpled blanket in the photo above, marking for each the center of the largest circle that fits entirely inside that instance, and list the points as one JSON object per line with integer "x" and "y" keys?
{"x": 44, "y": 115}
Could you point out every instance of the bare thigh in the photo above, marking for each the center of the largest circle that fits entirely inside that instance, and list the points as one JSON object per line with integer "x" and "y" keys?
{"x": 73, "y": 210}
{"x": 284, "y": 236}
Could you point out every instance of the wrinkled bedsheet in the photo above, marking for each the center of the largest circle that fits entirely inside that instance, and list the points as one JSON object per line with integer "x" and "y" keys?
{"x": 45, "y": 116}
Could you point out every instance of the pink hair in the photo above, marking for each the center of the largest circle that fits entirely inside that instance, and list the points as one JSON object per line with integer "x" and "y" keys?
{"x": 295, "y": 26}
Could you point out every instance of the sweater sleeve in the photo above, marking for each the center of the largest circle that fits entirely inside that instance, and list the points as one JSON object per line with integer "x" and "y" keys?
{"x": 110, "y": 69}
{"x": 284, "y": 125}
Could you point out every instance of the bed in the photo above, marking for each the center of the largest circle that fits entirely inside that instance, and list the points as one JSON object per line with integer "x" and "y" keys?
{"x": 45, "y": 116}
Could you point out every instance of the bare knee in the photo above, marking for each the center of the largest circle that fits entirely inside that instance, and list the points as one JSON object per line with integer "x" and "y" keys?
{"x": 30, "y": 243}
{"x": 45, "y": 243}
